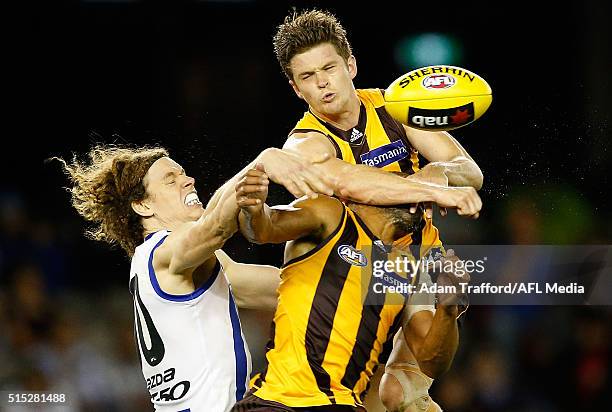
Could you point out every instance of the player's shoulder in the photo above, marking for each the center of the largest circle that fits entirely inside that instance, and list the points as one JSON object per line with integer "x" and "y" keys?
{"x": 301, "y": 134}
{"x": 322, "y": 205}
{"x": 317, "y": 202}
{"x": 151, "y": 241}
{"x": 327, "y": 209}
{"x": 307, "y": 122}
{"x": 376, "y": 97}
{"x": 162, "y": 244}
{"x": 310, "y": 142}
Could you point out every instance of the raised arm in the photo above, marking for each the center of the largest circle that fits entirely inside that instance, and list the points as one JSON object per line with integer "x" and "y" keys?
{"x": 446, "y": 156}
{"x": 365, "y": 184}
{"x": 433, "y": 339}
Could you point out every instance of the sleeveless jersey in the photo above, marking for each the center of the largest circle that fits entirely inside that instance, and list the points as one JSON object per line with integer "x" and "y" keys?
{"x": 193, "y": 354}
{"x": 331, "y": 324}
{"x": 379, "y": 141}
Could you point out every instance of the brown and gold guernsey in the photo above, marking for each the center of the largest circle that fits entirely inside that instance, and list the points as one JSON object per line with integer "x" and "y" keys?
{"x": 378, "y": 140}
{"x": 331, "y": 325}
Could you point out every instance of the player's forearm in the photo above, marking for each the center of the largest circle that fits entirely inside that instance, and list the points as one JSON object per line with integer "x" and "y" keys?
{"x": 365, "y": 184}
{"x": 208, "y": 234}
{"x": 437, "y": 350}
{"x": 221, "y": 213}
{"x": 199, "y": 243}
{"x": 222, "y": 207}
{"x": 256, "y": 227}
{"x": 462, "y": 172}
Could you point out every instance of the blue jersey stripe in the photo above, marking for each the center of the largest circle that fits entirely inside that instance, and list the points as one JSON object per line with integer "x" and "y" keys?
{"x": 239, "y": 352}
{"x": 179, "y": 298}
{"x": 150, "y": 235}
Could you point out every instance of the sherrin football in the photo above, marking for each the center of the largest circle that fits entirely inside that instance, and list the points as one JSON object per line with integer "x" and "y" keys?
{"x": 438, "y": 98}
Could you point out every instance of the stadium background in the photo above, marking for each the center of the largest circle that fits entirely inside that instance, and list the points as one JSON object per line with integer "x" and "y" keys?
{"x": 201, "y": 79}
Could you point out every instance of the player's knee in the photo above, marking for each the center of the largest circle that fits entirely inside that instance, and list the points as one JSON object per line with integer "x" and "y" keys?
{"x": 391, "y": 393}
{"x": 406, "y": 391}
{"x": 433, "y": 406}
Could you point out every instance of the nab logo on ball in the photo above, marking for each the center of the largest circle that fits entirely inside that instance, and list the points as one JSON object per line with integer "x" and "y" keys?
{"x": 352, "y": 255}
{"x": 438, "y": 81}
{"x": 441, "y": 118}
{"x": 438, "y": 98}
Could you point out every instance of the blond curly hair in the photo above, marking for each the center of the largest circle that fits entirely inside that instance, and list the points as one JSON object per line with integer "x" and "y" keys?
{"x": 104, "y": 187}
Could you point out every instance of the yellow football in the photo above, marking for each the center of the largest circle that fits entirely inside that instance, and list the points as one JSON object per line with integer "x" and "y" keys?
{"x": 438, "y": 98}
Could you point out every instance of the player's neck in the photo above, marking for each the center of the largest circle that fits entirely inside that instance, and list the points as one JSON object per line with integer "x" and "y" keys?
{"x": 345, "y": 119}
{"x": 152, "y": 226}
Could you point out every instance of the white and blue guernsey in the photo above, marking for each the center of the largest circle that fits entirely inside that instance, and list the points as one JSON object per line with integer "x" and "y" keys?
{"x": 194, "y": 356}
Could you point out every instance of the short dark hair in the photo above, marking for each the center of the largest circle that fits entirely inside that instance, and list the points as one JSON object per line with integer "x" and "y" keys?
{"x": 303, "y": 31}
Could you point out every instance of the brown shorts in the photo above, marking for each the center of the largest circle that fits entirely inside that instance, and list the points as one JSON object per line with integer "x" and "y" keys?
{"x": 251, "y": 403}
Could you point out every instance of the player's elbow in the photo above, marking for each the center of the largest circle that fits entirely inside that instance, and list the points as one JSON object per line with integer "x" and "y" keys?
{"x": 256, "y": 290}
{"x": 257, "y": 236}
{"x": 257, "y": 239}
{"x": 434, "y": 369}
{"x": 433, "y": 365}
{"x": 343, "y": 190}
{"x": 477, "y": 179}
{"x": 470, "y": 174}
{"x": 473, "y": 175}
{"x": 346, "y": 181}
{"x": 346, "y": 189}
{"x": 211, "y": 232}
{"x": 391, "y": 393}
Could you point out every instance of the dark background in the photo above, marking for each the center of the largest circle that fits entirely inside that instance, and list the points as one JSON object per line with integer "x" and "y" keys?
{"x": 201, "y": 79}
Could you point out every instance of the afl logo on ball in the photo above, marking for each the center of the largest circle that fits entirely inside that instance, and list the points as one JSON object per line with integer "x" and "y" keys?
{"x": 438, "y": 81}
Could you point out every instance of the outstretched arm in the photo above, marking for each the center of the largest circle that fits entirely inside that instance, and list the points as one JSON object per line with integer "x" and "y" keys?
{"x": 365, "y": 184}
{"x": 195, "y": 242}
{"x": 433, "y": 338}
